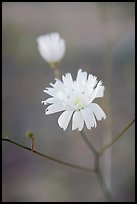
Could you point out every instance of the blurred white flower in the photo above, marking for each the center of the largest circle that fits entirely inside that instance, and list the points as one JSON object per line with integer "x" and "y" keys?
{"x": 51, "y": 47}
{"x": 76, "y": 98}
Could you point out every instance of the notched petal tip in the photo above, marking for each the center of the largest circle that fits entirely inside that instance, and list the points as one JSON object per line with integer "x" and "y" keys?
{"x": 44, "y": 102}
{"x": 47, "y": 111}
{"x": 89, "y": 128}
{"x": 64, "y": 129}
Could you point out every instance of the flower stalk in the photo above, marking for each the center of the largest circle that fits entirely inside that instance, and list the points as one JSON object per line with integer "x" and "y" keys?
{"x": 96, "y": 166}
{"x": 54, "y": 67}
{"x": 31, "y": 136}
{"x": 106, "y": 147}
{"x": 49, "y": 157}
{"x": 92, "y": 149}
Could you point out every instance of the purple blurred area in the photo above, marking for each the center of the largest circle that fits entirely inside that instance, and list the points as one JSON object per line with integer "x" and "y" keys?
{"x": 100, "y": 39}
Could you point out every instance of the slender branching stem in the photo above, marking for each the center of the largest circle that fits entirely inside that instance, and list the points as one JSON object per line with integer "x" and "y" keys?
{"x": 96, "y": 167}
{"x": 103, "y": 186}
{"x": 92, "y": 149}
{"x": 106, "y": 147}
{"x": 89, "y": 144}
{"x": 48, "y": 157}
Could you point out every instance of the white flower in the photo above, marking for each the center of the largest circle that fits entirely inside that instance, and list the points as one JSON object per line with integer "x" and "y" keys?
{"x": 76, "y": 98}
{"x": 51, "y": 47}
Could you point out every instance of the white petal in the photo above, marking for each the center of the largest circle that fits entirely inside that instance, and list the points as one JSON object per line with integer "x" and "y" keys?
{"x": 81, "y": 79}
{"x": 62, "y": 47}
{"x": 54, "y": 90}
{"x": 77, "y": 121}
{"x": 91, "y": 83}
{"x": 44, "y": 102}
{"x": 51, "y": 100}
{"x": 54, "y": 108}
{"x": 44, "y": 54}
{"x": 88, "y": 117}
{"x": 98, "y": 91}
{"x": 81, "y": 75}
{"x": 67, "y": 80}
{"x": 58, "y": 83}
{"x": 64, "y": 119}
{"x": 50, "y": 91}
{"x": 51, "y": 47}
{"x": 60, "y": 95}
{"x": 97, "y": 110}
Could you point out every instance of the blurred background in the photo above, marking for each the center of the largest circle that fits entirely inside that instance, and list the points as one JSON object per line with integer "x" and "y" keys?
{"x": 100, "y": 39}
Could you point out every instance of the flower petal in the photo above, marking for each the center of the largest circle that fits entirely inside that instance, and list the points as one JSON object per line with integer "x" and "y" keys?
{"x": 67, "y": 80}
{"x": 88, "y": 117}
{"x": 54, "y": 108}
{"x": 81, "y": 76}
{"x": 97, "y": 110}
{"x": 51, "y": 47}
{"x": 98, "y": 91}
{"x": 50, "y": 91}
{"x": 50, "y": 100}
{"x": 44, "y": 54}
{"x": 81, "y": 80}
{"x": 58, "y": 84}
{"x": 64, "y": 119}
{"x": 77, "y": 121}
{"x": 91, "y": 83}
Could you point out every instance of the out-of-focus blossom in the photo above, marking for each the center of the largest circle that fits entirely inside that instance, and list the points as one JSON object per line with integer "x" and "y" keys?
{"x": 51, "y": 47}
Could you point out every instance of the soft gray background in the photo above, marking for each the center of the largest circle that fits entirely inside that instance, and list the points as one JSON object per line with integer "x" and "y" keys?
{"x": 100, "y": 38}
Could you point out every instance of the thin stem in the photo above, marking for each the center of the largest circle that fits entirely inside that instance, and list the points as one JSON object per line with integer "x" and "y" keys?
{"x": 33, "y": 144}
{"x": 103, "y": 186}
{"x": 92, "y": 149}
{"x": 54, "y": 67}
{"x": 108, "y": 67}
{"x": 57, "y": 73}
{"x": 96, "y": 167}
{"x": 115, "y": 139}
{"x": 49, "y": 157}
{"x": 89, "y": 144}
